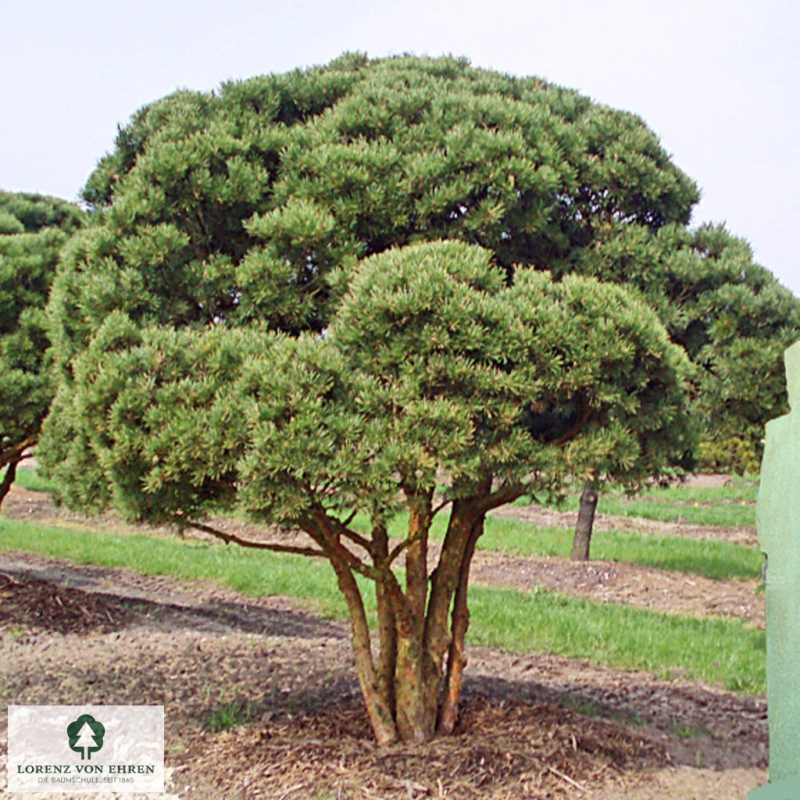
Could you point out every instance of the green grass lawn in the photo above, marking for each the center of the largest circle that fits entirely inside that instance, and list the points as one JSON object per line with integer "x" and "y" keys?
{"x": 728, "y": 653}
{"x": 731, "y": 506}
{"x": 708, "y": 558}
{"x": 29, "y": 478}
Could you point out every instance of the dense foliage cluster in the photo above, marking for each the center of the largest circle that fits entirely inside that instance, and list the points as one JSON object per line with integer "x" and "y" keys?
{"x": 32, "y": 230}
{"x": 731, "y": 316}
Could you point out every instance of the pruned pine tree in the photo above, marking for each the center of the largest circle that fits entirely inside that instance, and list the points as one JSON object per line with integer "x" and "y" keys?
{"x": 32, "y": 230}
{"x": 215, "y": 349}
{"x": 433, "y": 368}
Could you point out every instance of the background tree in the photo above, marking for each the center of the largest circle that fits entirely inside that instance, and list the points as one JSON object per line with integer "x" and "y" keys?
{"x": 733, "y": 319}
{"x": 432, "y": 367}
{"x": 731, "y": 316}
{"x": 32, "y": 230}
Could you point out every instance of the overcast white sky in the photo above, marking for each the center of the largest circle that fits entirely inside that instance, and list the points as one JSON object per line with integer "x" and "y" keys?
{"x": 717, "y": 80}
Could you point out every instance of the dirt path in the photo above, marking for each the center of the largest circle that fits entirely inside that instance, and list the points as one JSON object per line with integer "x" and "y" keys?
{"x": 630, "y": 584}
{"x": 113, "y": 636}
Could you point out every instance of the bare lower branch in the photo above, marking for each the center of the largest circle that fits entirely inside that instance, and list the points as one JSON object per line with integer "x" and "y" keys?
{"x": 8, "y": 479}
{"x": 438, "y": 508}
{"x": 14, "y": 453}
{"x": 229, "y": 538}
{"x": 457, "y": 660}
{"x": 505, "y": 494}
{"x": 397, "y": 551}
{"x": 354, "y": 537}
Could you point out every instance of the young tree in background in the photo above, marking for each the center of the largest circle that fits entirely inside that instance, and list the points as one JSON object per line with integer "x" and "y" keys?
{"x": 733, "y": 319}
{"x": 32, "y": 230}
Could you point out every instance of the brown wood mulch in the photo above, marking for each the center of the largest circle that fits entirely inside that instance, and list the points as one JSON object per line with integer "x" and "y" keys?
{"x": 302, "y": 732}
{"x": 505, "y": 749}
{"x": 29, "y": 603}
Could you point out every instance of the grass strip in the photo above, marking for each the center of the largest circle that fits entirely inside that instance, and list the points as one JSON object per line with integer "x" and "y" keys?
{"x": 30, "y": 479}
{"x": 711, "y": 559}
{"x": 727, "y": 506}
{"x": 729, "y": 653}
{"x": 706, "y": 557}
{"x": 724, "y": 652}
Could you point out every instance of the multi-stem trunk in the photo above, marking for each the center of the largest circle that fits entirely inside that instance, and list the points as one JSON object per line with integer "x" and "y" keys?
{"x": 403, "y": 690}
{"x": 583, "y": 529}
{"x": 8, "y": 478}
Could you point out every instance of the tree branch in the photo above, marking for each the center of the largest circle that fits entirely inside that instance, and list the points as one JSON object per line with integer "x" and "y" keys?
{"x": 505, "y": 494}
{"x": 354, "y": 537}
{"x": 585, "y": 411}
{"x": 229, "y": 538}
{"x": 438, "y": 508}
{"x": 397, "y": 551}
{"x": 14, "y": 453}
{"x": 8, "y": 479}
{"x": 325, "y": 529}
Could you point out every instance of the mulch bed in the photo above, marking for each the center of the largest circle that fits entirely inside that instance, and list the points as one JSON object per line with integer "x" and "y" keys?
{"x": 285, "y": 680}
{"x": 501, "y": 749}
{"x": 28, "y": 604}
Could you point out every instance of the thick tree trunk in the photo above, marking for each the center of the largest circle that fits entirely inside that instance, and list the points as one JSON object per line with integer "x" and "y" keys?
{"x": 456, "y": 658}
{"x": 416, "y": 677}
{"x": 583, "y": 529}
{"x": 8, "y": 479}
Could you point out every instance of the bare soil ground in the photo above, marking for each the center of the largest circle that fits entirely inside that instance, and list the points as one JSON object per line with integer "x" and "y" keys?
{"x": 532, "y": 726}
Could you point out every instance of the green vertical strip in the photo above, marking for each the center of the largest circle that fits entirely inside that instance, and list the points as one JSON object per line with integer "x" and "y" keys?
{"x": 778, "y": 519}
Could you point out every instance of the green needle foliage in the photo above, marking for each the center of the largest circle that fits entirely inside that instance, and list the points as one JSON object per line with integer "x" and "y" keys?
{"x": 32, "y": 231}
{"x": 731, "y": 316}
{"x": 254, "y": 203}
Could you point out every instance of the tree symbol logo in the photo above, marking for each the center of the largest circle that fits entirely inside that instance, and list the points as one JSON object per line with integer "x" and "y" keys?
{"x": 86, "y": 735}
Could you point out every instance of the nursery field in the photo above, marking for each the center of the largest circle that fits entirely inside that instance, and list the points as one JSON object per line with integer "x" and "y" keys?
{"x": 639, "y": 674}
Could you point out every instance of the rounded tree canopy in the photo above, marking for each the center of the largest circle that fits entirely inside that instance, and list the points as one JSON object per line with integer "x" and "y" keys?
{"x": 252, "y": 204}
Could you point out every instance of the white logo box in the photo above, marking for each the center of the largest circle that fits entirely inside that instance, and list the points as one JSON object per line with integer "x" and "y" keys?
{"x": 86, "y": 749}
